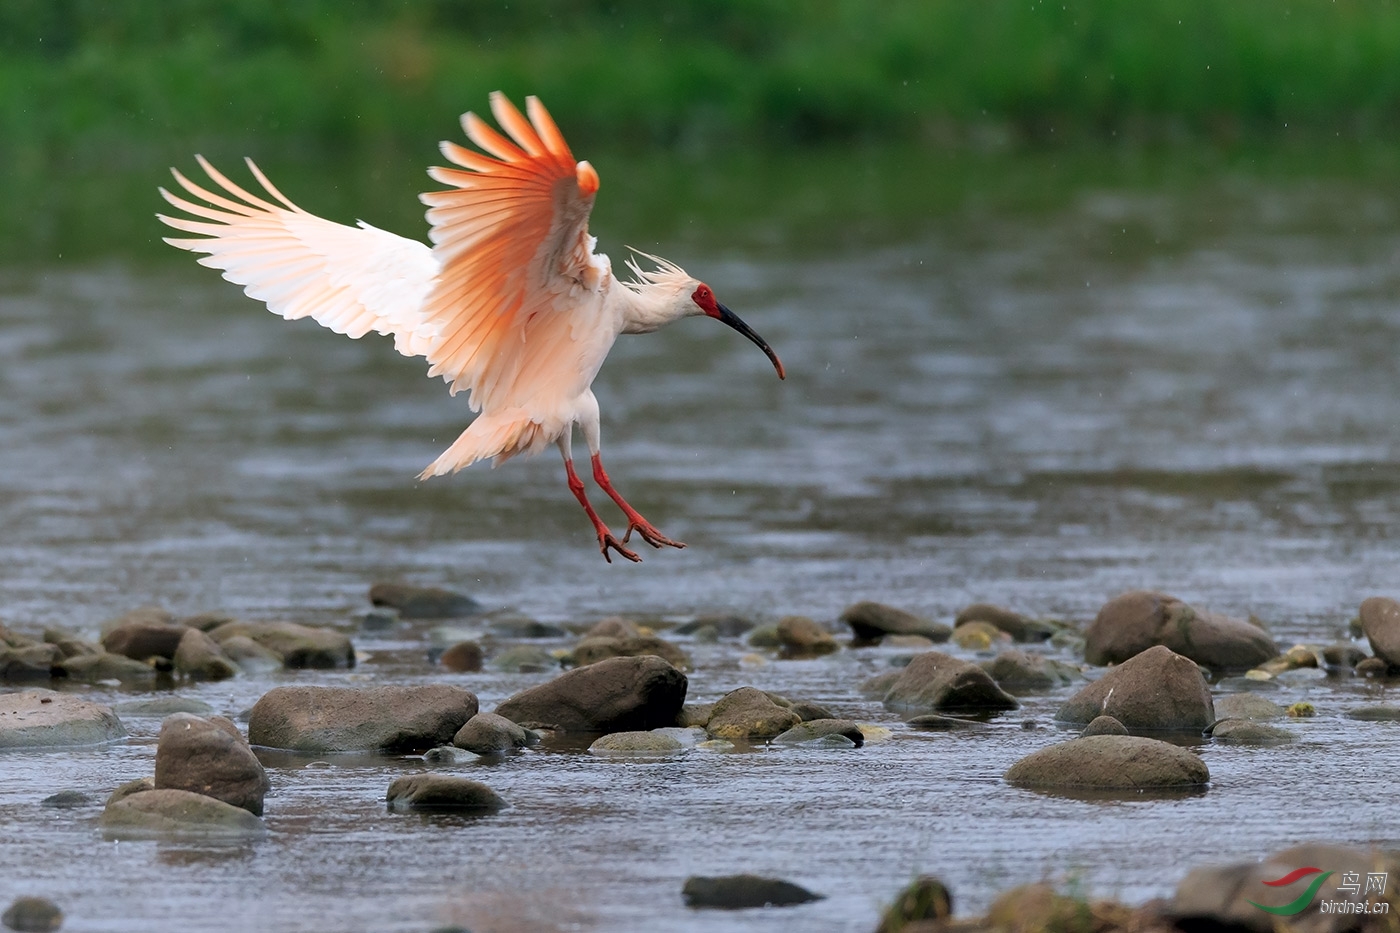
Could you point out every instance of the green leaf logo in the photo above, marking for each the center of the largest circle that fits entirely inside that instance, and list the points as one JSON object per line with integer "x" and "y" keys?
{"x": 1301, "y": 903}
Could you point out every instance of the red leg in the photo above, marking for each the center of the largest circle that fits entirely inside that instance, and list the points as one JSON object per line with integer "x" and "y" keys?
{"x": 605, "y": 537}
{"x": 645, "y": 529}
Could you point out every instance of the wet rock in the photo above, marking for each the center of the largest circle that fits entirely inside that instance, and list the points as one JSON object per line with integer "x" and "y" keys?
{"x": 1375, "y": 713}
{"x": 510, "y": 624}
{"x": 876, "y": 687}
{"x": 41, "y": 718}
{"x": 1249, "y": 732}
{"x": 142, "y": 640}
{"x": 442, "y": 793}
{"x": 723, "y": 626}
{"x": 447, "y": 755}
{"x": 1130, "y": 624}
{"x": 1342, "y": 657}
{"x": 249, "y": 655}
{"x": 1380, "y": 621}
{"x": 161, "y": 706}
{"x": 614, "y": 627}
{"x": 300, "y": 646}
{"x": 636, "y": 743}
{"x": 926, "y": 898}
{"x": 739, "y": 892}
{"x": 1039, "y": 908}
{"x": 66, "y": 800}
{"x": 105, "y": 666}
{"x": 423, "y": 602}
{"x": 525, "y": 659}
{"x": 379, "y": 621}
{"x": 801, "y": 637}
{"x": 820, "y": 728}
{"x": 70, "y": 645}
{"x": 601, "y": 647}
{"x": 1109, "y": 761}
{"x": 615, "y": 695}
{"x": 32, "y": 915}
{"x": 870, "y": 622}
{"x": 199, "y": 657}
{"x": 1224, "y": 897}
{"x": 1372, "y": 667}
{"x": 1155, "y": 690}
{"x": 810, "y": 711}
{"x": 28, "y": 665}
{"x": 1104, "y": 725}
{"x": 177, "y": 813}
{"x": 1015, "y": 669}
{"x": 1019, "y": 627}
{"x": 463, "y": 657}
{"x": 979, "y": 636}
{"x": 489, "y": 734}
{"x": 694, "y": 714}
{"x": 933, "y": 722}
{"x": 209, "y": 756}
{"x": 345, "y": 719}
{"x": 9, "y": 638}
{"x": 934, "y": 681}
{"x": 1247, "y": 706}
{"x": 749, "y": 713}
{"x": 765, "y": 636}
{"x": 131, "y": 787}
{"x": 208, "y": 621}
{"x": 143, "y": 615}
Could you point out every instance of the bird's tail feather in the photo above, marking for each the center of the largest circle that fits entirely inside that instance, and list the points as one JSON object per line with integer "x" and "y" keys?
{"x": 500, "y": 436}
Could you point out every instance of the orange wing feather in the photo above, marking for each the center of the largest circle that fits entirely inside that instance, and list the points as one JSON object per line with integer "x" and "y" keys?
{"x": 511, "y": 238}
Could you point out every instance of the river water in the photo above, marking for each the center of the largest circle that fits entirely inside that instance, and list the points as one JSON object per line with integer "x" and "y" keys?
{"x": 1192, "y": 392}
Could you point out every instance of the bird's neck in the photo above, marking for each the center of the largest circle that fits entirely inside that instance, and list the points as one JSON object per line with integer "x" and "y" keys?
{"x": 646, "y": 307}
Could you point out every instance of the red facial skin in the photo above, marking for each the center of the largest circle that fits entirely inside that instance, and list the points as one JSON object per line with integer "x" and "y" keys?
{"x": 705, "y": 299}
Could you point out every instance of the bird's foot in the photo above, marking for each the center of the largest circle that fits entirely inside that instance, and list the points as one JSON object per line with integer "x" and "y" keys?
{"x": 606, "y": 540}
{"x": 648, "y": 533}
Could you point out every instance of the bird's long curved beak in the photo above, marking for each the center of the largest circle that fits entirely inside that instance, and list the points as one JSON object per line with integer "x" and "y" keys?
{"x": 733, "y": 320}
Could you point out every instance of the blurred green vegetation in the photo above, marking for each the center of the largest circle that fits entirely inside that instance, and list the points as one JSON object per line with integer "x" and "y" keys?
{"x": 98, "y": 96}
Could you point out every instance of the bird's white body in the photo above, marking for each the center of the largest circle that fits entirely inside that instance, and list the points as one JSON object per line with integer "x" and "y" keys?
{"x": 510, "y": 302}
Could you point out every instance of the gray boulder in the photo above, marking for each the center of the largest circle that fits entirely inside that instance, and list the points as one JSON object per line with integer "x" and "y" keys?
{"x": 934, "y": 681}
{"x": 489, "y": 734}
{"x": 1247, "y": 706}
{"x": 597, "y": 648}
{"x": 1156, "y": 690}
{"x": 1224, "y": 897}
{"x": 813, "y": 729}
{"x": 346, "y": 719}
{"x": 32, "y": 915}
{"x": 210, "y": 757}
{"x": 140, "y": 640}
{"x": 1377, "y": 713}
{"x": 871, "y": 621}
{"x": 1015, "y": 669}
{"x": 615, "y": 695}
{"x": 1248, "y": 732}
{"x": 199, "y": 657}
{"x": 636, "y": 743}
{"x": 750, "y": 714}
{"x": 1009, "y": 621}
{"x": 801, "y": 637}
{"x": 442, "y": 793}
{"x": 103, "y": 666}
{"x": 1109, "y": 761}
{"x": 740, "y": 892}
{"x": 423, "y": 602}
{"x": 1104, "y": 725}
{"x": 161, "y": 706}
{"x": 1133, "y": 622}
{"x": 299, "y": 646}
{"x": 176, "y": 813}
{"x": 30, "y": 664}
{"x": 249, "y": 655}
{"x": 1380, "y": 621}
{"x": 40, "y": 718}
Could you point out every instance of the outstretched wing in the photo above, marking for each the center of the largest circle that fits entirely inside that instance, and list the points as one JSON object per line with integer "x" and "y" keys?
{"x": 517, "y": 275}
{"x": 351, "y": 279}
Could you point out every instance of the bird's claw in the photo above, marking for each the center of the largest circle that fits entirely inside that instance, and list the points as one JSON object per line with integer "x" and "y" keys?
{"x": 648, "y": 533}
{"x": 606, "y": 540}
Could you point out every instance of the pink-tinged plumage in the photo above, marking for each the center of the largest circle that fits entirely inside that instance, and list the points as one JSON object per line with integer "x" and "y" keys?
{"x": 510, "y": 302}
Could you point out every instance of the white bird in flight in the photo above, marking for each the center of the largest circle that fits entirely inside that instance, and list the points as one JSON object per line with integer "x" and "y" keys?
{"x": 510, "y": 302}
